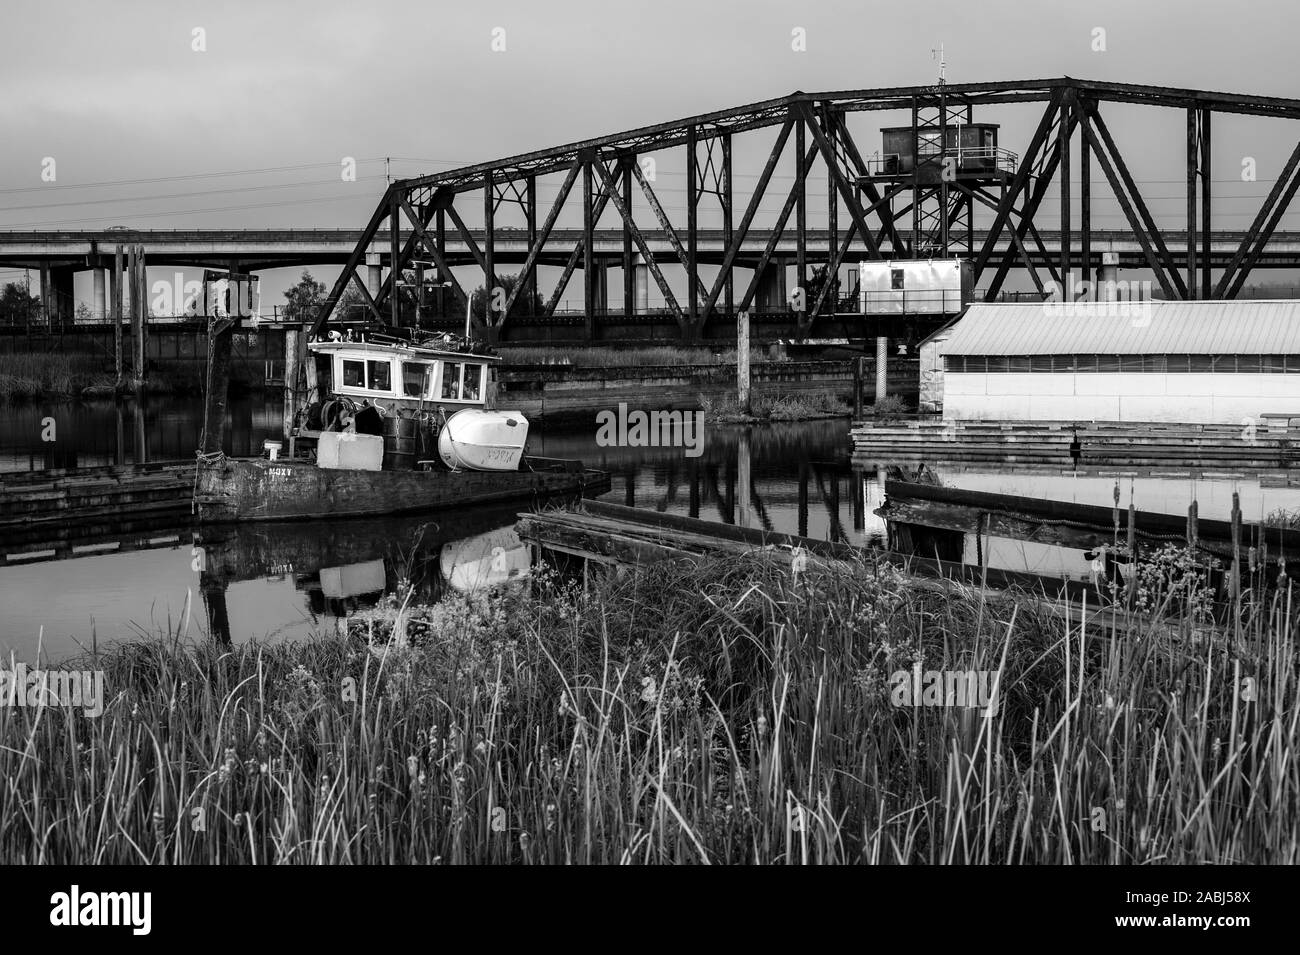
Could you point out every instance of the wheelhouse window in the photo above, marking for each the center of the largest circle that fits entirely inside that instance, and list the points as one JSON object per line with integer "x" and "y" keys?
{"x": 451, "y": 380}
{"x": 354, "y": 373}
{"x": 473, "y": 387}
{"x": 380, "y": 375}
{"x": 416, "y": 379}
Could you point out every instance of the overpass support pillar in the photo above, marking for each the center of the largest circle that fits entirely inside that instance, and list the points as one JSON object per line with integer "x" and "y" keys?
{"x": 62, "y": 303}
{"x": 99, "y": 306}
{"x": 374, "y": 274}
{"x": 642, "y": 290}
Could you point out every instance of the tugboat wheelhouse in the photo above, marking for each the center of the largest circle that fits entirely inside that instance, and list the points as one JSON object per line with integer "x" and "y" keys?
{"x": 379, "y": 372}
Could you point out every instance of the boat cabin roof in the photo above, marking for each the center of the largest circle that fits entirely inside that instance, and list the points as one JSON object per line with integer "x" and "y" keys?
{"x": 406, "y": 351}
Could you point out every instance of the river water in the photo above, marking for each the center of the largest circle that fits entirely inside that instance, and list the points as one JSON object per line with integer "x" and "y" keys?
{"x": 298, "y": 579}
{"x": 294, "y": 580}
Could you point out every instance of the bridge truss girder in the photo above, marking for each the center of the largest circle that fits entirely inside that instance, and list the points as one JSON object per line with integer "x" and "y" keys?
{"x": 415, "y": 215}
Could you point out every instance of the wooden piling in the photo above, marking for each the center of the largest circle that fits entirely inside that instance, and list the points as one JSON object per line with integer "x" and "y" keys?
{"x": 1192, "y": 532}
{"x": 217, "y": 381}
{"x": 1132, "y": 552}
{"x": 859, "y": 372}
{"x": 1235, "y": 586}
{"x": 292, "y": 359}
{"x": 142, "y": 311}
{"x": 115, "y": 310}
{"x": 742, "y": 360}
{"x": 133, "y": 298}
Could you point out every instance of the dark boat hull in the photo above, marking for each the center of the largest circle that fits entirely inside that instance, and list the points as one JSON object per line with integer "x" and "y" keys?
{"x": 263, "y": 490}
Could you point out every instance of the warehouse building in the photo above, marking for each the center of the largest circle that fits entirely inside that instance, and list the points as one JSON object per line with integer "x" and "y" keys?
{"x": 1191, "y": 362}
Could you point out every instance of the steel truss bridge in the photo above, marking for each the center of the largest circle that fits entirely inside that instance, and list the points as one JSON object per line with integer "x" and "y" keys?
{"x": 422, "y": 221}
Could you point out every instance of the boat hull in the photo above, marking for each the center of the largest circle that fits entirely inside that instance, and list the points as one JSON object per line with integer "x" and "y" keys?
{"x": 263, "y": 490}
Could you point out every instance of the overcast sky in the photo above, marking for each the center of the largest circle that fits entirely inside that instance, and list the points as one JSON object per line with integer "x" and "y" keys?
{"x": 116, "y": 91}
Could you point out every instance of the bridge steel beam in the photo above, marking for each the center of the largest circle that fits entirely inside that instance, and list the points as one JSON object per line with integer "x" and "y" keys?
{"x": 610, "y": 164}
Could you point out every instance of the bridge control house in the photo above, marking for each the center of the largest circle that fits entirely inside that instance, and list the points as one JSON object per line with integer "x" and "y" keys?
{"x": 1198, "y": 362}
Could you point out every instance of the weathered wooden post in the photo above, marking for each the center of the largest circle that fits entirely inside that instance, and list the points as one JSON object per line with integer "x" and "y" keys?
{"x": 143, "y": 313}
{"x": 1132, "y": 552}
{"x": 1235, "y": 590}
{"x": 115, "y": 308}
{"x": 859, "y": 371}
{"x": 292, "y": 357}
{"x": 742, "y": 360}
{"x": 1193, "y": 531}
{"x": 133, "y": 299}
{"x": 217, "y": 385}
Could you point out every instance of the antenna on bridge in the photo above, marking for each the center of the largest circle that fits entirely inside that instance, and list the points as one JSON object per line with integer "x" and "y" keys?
{"x": 387, "y": 177}
{"x": 942, "y": 63}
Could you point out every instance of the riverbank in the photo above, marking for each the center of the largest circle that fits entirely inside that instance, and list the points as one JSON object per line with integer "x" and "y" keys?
{"x": 63, "y": 377}
{"x": 723, "y": 712}
{"x": 781, "y": 390}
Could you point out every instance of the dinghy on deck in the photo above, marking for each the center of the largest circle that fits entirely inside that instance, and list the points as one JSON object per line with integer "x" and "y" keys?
{"x": 478, "y": 440}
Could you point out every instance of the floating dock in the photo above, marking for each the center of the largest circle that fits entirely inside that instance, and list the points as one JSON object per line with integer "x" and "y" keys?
{"x": 90, "y": 494}
{"x": 613, "y": 535}
{"x": 1071, "y": 525}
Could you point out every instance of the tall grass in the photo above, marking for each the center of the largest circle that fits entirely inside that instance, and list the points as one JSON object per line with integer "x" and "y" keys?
{"x": 30, "y": 375}
{"x": 723, "y": 712}
{"x": 776, "y": 406}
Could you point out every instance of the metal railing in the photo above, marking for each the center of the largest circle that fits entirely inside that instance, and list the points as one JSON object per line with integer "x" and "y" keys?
{"x": 904, "y": 301}
{"x": 967, "y": 158}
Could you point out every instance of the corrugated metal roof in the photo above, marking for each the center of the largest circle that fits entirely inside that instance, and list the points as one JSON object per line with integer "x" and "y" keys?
{"x": 1242, "y": 327}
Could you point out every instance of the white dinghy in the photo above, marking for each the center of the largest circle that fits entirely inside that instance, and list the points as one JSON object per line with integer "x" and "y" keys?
{"x": 477, "y": 440}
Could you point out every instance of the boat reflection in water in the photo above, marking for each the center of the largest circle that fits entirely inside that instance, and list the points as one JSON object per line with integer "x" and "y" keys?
{"x": 344, "y": 566}
{"x": 485, "y": 560}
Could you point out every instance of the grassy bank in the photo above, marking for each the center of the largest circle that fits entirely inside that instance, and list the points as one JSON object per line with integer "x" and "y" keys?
{"x": 724, "y": 713}
{"x": 32, "y": 376}
{"x": 794, "y": 406}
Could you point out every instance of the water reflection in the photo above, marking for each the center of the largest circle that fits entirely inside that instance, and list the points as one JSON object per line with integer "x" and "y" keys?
{"x": 62, "y": 587}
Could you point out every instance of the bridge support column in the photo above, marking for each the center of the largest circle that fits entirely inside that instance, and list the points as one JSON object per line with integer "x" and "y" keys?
{"x": 1107, "y": 276}
{"x": 374, "y": 274}
{"x": 99, "y": 305}
{"x": 882, "y": 367}
{"x": 642, "y": 289}
{"x": 601, "y": 277}
{"x": 56, "y": 294}
{"x": 771, "y": 285}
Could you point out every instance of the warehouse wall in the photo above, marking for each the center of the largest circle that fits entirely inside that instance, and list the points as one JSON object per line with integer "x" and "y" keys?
{"x": 1120, "y": 396}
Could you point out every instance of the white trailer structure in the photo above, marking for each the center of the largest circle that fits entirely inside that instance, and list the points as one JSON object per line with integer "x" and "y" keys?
{"x": 914, "y": 287}
{"x": 1206, "y": 362}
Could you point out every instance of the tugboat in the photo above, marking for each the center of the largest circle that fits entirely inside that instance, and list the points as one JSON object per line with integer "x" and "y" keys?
{"x": 392, "y": 422}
